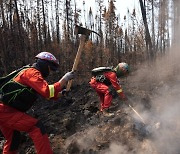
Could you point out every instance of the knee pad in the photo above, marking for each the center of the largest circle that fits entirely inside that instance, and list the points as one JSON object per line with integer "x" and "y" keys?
{"x": 40, "y": 125}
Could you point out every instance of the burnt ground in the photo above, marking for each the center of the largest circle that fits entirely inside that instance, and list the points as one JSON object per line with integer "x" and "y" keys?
{"x": 75, "y": 126}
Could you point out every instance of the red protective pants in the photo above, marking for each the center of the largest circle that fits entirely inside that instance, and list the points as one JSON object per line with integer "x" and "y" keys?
{"x": 12, "y": 122}
{"x": 103, "y": 92}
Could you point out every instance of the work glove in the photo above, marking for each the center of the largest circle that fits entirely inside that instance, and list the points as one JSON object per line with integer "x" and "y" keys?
{"x": 69, "y": 76}
{"x": 122, "y": 96}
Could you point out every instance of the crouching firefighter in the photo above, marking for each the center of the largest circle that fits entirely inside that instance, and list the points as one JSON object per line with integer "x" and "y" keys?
{"x": 106, "y": 78}
{"x": 18, "y": 92}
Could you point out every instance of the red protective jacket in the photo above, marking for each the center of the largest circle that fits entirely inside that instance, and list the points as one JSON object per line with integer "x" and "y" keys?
{"x": 111, "y": 76}
{"x": 32, "y": 77}
{"x": 103, "y": 89}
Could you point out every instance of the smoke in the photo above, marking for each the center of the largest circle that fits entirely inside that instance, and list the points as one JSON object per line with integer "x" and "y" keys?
{"x": 83, "y": 140}
{"x": 162, "y": 80}
{"x": 166, "y": 107}
{"x": 167, "y": 138}
{"x": 117, "y": 148}
{"x": 88, "y": 140}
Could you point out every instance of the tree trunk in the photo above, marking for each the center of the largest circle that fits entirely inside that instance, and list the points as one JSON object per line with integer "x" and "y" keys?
{"x": 147, "y": 34}
{"x": 153, "y": 31}
{"x": 57, "y": 22}
{"x": 39, "y": 25}
{"x": 44, "y": 24}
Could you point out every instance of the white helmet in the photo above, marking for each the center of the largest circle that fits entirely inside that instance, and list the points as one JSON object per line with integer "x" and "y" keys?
{"x": 54, "y": 63}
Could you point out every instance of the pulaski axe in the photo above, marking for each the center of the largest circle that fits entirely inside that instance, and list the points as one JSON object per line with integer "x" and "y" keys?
{"x": 84, "y": 36}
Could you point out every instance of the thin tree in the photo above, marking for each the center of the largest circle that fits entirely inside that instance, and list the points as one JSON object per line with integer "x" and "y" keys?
{"x": 149, "y": 45}
{"x": 44, "y": 23}
{"x": 110, "y": 24}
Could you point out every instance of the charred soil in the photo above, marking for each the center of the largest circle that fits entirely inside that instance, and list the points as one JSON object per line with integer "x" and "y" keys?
{"x": 75, "y": 125}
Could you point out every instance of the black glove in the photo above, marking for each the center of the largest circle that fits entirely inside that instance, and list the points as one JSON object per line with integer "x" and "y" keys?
{"x": 112, "y": 91}
{"x": 64, "y": 92}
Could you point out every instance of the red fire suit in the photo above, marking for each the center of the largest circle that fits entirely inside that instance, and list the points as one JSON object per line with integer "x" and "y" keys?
{"x": 13, "y": 121}
{"x": 103, "y": 91}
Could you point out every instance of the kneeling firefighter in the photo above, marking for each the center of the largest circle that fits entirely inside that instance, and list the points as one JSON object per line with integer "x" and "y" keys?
{"x": 106, "y": 78}
{"x": 18, "y": 92}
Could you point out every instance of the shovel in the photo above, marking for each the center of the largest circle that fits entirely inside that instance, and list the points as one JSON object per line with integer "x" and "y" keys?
{"x": 148, "y": 127}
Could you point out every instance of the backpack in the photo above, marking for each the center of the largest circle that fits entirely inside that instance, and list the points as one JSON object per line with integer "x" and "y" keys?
{"x": 98, "y": 74}
{"x": 5, "y": 79}
{"x": 100, "y": 70}
{"x": 15, "y": 94}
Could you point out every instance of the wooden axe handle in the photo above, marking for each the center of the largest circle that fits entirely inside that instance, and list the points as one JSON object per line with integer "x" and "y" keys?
{"x": 77, "y": 58}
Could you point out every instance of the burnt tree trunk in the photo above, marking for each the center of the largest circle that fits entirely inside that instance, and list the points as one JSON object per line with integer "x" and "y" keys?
{"x": 149, "y": 45}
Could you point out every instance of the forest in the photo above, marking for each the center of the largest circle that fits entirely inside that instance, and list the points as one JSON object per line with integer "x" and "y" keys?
{"x": 147, "y": 41}
{"x": 27, "y": 28}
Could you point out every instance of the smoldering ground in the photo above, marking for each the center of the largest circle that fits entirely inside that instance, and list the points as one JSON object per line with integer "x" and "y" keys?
{"x": 155, "y": 92}
{"x": 159, "y": 84}
{"x": 163, "y": 81}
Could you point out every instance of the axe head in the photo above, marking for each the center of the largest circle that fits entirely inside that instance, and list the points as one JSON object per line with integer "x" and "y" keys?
{"x": 83, "y": 31}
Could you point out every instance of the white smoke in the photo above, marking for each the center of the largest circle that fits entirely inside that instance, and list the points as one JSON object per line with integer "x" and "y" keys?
{"x": 117, "y": 148}
{"x": 167, "y": 138}
{"x": 163, "y": 82}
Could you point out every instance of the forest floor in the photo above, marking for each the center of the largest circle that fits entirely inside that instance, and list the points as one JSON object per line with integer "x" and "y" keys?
{"x": 75, "y": 126}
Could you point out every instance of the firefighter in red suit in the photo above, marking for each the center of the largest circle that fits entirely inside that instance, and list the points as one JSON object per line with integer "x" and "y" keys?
{"x": 29, "y": 83}
{"x": 104, "y": 80}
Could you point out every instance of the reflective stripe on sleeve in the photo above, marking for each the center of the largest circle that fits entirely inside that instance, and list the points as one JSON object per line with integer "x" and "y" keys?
{"x": 51, "y": 91}
{"x": 119, "y": 91}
